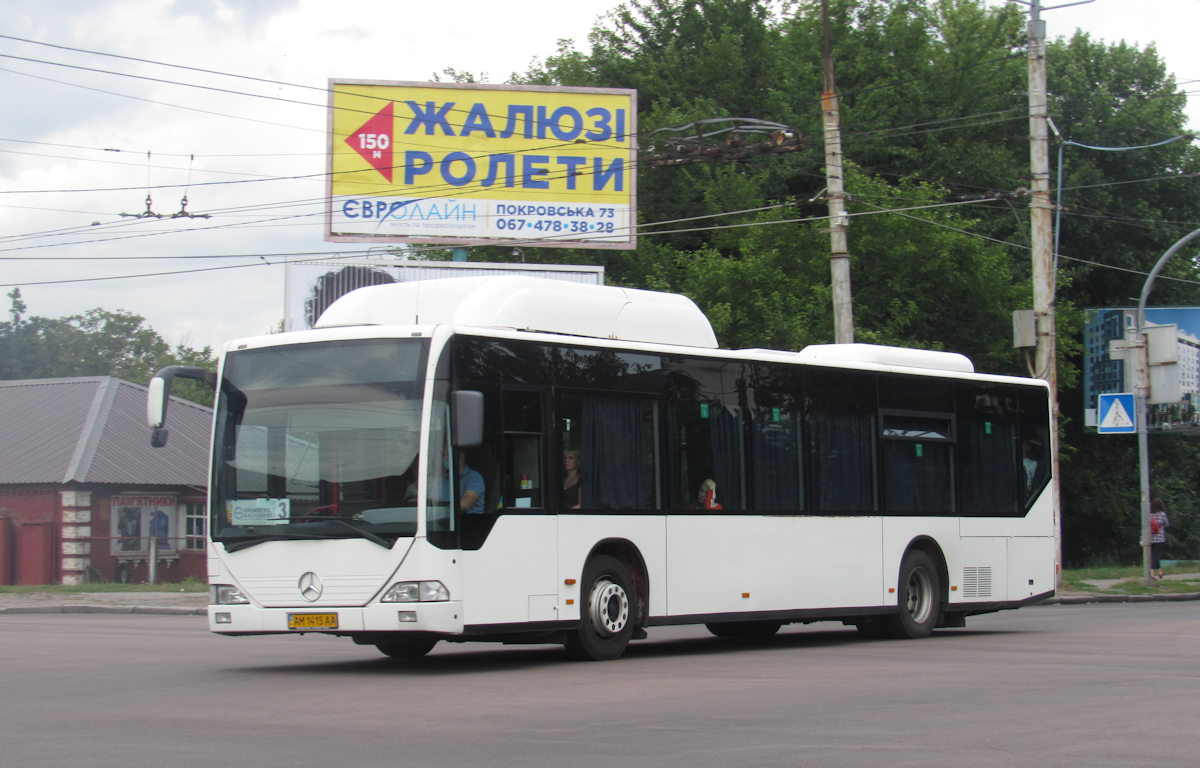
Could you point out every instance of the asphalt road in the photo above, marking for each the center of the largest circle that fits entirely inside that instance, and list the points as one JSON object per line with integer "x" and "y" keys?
{"x": 1075, "y": 685}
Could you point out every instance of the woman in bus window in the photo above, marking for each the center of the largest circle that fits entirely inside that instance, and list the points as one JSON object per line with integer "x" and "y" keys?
{"x": 572, "y": 485}
{"x": 707, "y": 497}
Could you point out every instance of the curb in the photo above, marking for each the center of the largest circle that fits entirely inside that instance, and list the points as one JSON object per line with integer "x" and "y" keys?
{"x": 1085, "y": 599}
{"x": 139, "y": 609}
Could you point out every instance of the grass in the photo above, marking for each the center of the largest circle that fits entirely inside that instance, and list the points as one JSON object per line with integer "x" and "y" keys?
{"x": 1076, "y": 580}
{"x": 188, "y": 585}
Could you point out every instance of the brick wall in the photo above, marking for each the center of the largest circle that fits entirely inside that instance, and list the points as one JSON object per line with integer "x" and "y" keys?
{"x": 176, "y": 567}
{"x": 55, "y": 534}
{"x": 34, "y": 515}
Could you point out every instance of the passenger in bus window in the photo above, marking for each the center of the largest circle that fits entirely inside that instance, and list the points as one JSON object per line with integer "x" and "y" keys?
{"x": 572, "y": 481}
{"x": 707, "y": 497}
{"x": 1029, "y": 462}
{"x": 470, "y": 483}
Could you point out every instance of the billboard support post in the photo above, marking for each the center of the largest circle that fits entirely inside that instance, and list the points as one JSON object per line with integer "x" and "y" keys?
{"x": 1142, "y": 397}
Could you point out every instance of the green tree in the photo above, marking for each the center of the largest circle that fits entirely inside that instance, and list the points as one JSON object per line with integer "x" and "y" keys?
{"x": 95, "y": 343}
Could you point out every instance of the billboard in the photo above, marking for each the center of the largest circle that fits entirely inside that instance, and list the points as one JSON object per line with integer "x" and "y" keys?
{"x": 474, "y": 164}
{"x": 1174, "y": 355}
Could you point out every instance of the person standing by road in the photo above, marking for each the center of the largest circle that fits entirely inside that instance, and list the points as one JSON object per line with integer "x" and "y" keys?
{"x": 1158, "y": 536}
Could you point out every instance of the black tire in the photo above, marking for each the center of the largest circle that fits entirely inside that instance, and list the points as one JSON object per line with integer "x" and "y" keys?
{"x": 918, "y": 597}
{"x": 608, "y": 611}
{"x": 745, "y": 630}
{"x": 407, "y": 648}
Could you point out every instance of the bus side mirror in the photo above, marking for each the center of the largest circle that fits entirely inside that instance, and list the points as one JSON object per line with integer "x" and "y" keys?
{"x": 158, "y": 395}
{"x": 466, "y": 418}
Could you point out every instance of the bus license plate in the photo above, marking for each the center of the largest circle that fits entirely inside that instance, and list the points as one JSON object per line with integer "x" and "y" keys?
{"x": 312, "y": 621}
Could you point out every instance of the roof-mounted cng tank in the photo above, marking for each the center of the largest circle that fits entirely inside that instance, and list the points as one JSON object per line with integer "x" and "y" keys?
{"x": 529, "y": 304}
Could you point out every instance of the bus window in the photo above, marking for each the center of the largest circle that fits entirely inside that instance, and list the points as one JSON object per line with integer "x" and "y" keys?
{"x": 987, "y": 445}
{"x": 1034, "y": 441}
{"x": 439, "y": 516}
{"x": 607, "y": 452}
{"x": 918, "y": 469}
{"x": 841, "y": 442}
{"x": 500, "y": 361}
{"x": 608, "y": 369}
{"x": 776, "y": 450}
{"x": 775, "y": 446}
{"x": 523, "y": 487}
{"x": 704, "y": 441}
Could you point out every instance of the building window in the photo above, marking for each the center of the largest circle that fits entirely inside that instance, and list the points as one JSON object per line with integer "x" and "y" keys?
{"x": 195, "y": 525}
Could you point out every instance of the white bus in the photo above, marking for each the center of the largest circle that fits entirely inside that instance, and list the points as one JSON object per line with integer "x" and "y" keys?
{"x": 518, "y": 460}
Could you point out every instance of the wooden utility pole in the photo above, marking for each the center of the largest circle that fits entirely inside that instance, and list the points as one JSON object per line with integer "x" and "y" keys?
{"x": 839, "y": 255}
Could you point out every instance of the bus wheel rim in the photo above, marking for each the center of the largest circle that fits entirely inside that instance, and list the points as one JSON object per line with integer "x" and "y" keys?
{"x": 609, "y": 607}
{"x": 919, "y": 596}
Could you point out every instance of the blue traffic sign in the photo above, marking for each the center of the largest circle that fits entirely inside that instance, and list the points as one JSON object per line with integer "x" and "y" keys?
{"x": 1117, "y": 414}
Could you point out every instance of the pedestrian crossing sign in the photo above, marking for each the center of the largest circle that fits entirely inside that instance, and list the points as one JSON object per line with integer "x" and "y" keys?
{"x": 1117, "y": 414}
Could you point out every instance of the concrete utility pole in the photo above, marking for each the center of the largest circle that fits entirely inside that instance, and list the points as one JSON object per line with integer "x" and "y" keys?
{"x": 839, "y": 255}
{"x": 1041, "y": 234}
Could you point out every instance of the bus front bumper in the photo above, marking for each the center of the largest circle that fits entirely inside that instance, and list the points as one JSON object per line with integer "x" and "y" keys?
{"x": 443, "y": 617}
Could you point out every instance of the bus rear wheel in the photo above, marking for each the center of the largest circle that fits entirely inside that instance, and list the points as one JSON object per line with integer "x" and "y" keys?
{"x": 745, "y": 630}
{"x": 918, "y": 598}
{"x": 407, "y": 648}
{"x": 607, "y": 623}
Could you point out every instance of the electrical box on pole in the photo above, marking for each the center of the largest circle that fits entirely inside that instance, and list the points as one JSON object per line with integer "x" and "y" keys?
{"x": 1024, "y": 328}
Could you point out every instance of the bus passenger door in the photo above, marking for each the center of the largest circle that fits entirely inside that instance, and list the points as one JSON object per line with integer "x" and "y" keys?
{"x": 511, "y": 574}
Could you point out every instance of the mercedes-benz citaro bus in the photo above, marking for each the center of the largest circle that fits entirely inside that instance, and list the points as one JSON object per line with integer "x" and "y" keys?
{"x": 522, "y": 460}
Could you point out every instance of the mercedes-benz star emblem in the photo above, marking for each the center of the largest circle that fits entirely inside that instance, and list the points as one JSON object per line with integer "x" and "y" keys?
{"x": 310, "y": 586}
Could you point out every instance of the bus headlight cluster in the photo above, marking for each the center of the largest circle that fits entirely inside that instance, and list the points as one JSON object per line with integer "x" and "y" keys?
{"x": 225, "y": 594}
{"x": 416, "y": 592}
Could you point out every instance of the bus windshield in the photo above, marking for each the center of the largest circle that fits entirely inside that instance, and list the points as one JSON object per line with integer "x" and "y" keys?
{"x": 319, "y": 441}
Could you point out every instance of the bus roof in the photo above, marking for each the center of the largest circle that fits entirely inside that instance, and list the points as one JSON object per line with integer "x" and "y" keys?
{"x": 529, "y": 304}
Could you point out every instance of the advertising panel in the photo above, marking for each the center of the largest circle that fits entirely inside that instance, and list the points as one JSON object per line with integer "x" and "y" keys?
{"x": 1174, "y": 356}
{"x": 137, "y": 519}
{"x": 475, "y": 164}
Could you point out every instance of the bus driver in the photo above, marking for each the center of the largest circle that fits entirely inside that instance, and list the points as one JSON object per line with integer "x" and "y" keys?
{"x": 470, "y": 483}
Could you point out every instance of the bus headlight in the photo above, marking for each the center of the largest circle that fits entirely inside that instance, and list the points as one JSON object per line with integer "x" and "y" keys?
{"x": 416, "y": 592}
{"x": 225, "y": 594}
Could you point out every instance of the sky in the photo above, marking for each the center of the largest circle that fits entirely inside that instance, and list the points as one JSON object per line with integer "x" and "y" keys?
{"x": 78, "y": 148}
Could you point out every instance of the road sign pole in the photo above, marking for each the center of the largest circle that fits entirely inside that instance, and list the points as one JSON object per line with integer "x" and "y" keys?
{"x": 1142, "y": 397}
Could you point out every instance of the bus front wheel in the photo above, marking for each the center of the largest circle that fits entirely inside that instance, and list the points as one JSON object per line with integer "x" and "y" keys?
{"x": 606, "y": 625}
{"x": 408, "y": 648}
{"x": 918, "y": 599}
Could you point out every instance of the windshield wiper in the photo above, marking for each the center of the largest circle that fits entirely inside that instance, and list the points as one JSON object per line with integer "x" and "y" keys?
{"x": 360, "y": 531}
{"x": 282, "y": 536}
{"x": 236, "y": 545}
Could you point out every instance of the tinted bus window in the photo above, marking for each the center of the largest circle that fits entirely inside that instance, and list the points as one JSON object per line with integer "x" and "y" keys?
{"x": 917, "y": 451}
{"x": 988, "y": 450}
{"x": 1035, "y": 440}
{"x": 501, "y": 361}
{"x": 776, "y": 434}
{"x": 705, "y": 450}
{"x": 607, "y": 450}
{"x": 841, "y": 442}
{"x": 608, "y": 369}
